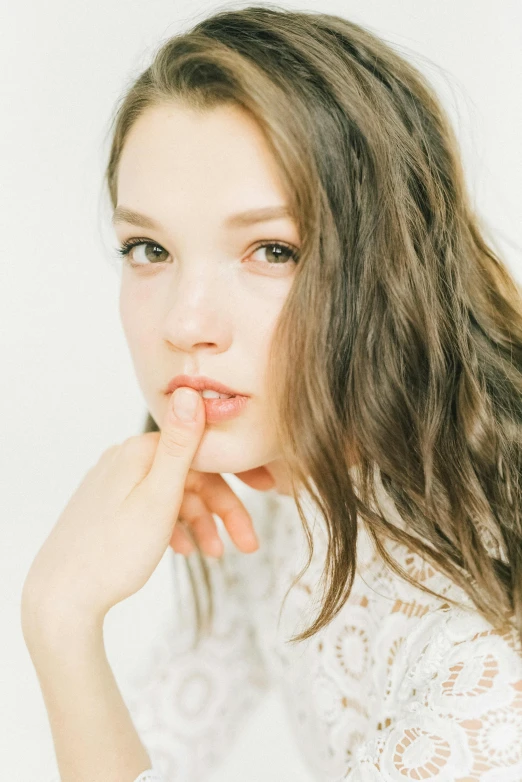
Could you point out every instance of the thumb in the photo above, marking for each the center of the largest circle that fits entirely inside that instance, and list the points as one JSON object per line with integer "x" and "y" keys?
{"x": 179, "y": 439}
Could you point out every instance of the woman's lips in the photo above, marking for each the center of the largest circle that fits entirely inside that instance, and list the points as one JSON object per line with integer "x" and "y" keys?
{"x": 218, "y": 410}
{"x": 201, "y": 383}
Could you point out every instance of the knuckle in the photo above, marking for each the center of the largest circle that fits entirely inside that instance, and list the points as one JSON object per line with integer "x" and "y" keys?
{"x": 111, "y": 450}
{"x": 135, "y": 446}
{"x": 175, "y": 442}
{"x": 107, "y": 455}
{"x": 126, "y": 446}
{"x": 133, "y": 441}
{"x": 134, "y": 450}
{"x": 195, "y": 481}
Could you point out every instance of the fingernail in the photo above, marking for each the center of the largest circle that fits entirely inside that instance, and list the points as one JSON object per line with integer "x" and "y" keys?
{"x": 185, "y": 403}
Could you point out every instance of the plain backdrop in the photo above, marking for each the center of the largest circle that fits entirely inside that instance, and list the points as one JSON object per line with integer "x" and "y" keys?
{"x": 68, "y": 389}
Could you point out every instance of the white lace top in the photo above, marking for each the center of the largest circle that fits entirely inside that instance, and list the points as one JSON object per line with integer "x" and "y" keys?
{"x": 399, "y": 686}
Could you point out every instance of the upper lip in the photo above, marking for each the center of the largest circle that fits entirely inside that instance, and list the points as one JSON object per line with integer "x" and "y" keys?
{"x": 200, "y": 383}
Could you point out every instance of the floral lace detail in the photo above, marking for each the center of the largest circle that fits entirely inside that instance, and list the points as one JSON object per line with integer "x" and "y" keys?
{"x": 457, "y": 712}
{"x": 148, "y": 776}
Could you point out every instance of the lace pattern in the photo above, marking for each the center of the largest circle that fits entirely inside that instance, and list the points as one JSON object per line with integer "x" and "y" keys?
{"x": 457, "y": 714}
{"x": 399, "y": 686}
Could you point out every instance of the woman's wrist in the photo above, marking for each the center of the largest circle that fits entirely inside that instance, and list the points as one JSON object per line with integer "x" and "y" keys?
{"x": 93, "y": 733}
{"x": 50, "y": 625}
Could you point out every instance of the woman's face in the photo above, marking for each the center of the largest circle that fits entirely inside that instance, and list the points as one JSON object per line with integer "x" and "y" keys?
{"x": 204, "y": 298}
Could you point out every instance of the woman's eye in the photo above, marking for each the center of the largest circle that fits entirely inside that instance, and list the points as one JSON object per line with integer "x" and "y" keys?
{"x": 141, "y": 252}
{"x": 277, "y": 253}
{"x": 146, "y": 257}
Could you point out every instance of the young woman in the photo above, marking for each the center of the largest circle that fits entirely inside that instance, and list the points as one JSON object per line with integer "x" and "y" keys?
{"x": 297, "y": 235}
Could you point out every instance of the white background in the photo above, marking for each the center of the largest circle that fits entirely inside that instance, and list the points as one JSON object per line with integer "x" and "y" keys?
{"x": 68, "y": 389}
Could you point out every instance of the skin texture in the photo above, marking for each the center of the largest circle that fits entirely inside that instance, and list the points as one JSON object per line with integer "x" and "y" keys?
{"x": 204, "y": 299}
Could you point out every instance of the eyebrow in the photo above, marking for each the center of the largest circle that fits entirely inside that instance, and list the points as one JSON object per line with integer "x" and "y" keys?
{"x": 124, "y": 215}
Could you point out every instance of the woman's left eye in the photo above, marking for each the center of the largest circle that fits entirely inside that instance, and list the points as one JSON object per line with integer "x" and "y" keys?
{"x": 288, "y": 253}
{"x": 282, "y": 253}
{"x": 126, "y": 250}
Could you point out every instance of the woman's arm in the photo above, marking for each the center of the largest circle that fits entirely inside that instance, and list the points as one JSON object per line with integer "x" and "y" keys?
{"x": 94, "y": 737}
{"x": 184, "y": 738}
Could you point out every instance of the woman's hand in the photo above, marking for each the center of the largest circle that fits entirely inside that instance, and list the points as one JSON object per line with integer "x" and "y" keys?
{"x": 208, "y": 493}
{"x": 118, "y": 524}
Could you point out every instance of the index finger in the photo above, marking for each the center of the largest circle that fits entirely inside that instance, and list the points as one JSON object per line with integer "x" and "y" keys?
{"x": 221, "y": 499}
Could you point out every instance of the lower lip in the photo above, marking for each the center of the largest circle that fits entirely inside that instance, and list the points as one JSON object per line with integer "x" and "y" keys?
{"x": 217, "y": 410}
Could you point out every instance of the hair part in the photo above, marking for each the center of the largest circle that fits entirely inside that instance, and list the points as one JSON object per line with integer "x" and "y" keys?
{"x": 404, "y": 323}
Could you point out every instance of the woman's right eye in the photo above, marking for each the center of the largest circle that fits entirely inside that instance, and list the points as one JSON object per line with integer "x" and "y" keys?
{"x": 128, "y": 250}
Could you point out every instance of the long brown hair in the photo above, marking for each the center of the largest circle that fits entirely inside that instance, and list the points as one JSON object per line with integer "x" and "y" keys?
{"x": 403, "y": 322}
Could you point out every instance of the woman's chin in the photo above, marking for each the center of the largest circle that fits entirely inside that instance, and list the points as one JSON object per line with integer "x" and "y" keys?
{"x": 208, "y": 459}
{"x": 217, "y": 460}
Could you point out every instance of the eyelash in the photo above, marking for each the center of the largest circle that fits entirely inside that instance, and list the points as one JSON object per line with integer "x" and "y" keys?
{"x": 126, "y": 247}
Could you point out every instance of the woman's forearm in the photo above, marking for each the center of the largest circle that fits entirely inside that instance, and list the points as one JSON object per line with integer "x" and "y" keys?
{"x": 93, "y": 734}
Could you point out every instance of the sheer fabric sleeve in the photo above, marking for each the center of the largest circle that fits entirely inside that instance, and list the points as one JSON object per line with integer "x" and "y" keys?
{"x": 189, "y": 706}
{"x": 456, "y": 711}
